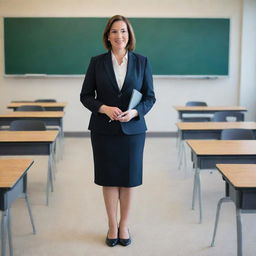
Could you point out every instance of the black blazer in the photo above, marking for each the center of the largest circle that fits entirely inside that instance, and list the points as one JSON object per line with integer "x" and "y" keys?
{"x": 100, "y": 87}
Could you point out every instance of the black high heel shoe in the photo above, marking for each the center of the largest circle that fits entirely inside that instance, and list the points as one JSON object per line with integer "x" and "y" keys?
{"x": 125, "y": 241}
{"x": 111, "y": 242}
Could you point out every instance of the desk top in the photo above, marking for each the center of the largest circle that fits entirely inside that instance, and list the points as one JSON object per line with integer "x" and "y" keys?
{"x": 215, "y": 125}
{"x": 28, "y": 136}
{"x": 11, "y": 170}
{"x": 239, "y": 175}
{"x": 43, "y": 104}
{"x": 34, "y": 114}
{"x": 209, "y": 108}
{"x": 223, "y": 147}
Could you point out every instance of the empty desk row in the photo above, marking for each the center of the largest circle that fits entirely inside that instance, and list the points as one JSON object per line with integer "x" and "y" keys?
{"x": 31, "y": 143}
{"x": 49, "y": 106}
{"x": 206, "y": 109}
{"x": 13, "y": 184}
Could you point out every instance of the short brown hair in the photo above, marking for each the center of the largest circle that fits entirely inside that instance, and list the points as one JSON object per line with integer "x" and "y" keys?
{"x": 131, "y": 42}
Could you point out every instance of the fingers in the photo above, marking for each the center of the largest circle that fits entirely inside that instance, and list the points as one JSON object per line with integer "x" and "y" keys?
{"x": 114, "y": 113}
{"x": 125, "y": 117}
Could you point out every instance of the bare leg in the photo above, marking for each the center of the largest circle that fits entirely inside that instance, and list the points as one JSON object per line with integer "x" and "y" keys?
{"x": 111, "y": 196}
{"x": 125, "y": 206}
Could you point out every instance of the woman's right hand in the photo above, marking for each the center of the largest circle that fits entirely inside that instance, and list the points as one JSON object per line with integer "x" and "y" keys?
{"x": 112, "y": 112}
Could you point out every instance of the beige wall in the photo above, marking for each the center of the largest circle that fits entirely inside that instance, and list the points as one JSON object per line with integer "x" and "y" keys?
{"x": 248, "y": 59}
{"x": 169, "y": 91}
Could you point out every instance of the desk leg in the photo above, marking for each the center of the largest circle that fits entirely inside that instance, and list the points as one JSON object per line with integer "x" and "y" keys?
{"x": 30, "y": 213}
{"x": 52, "y": 165}
{"x": 239, "y": 233}
{"x": 222, "y": 200}
{"x": 10, "y": 232}
{"x": 49, "y": 177}
{"x": 197, "y": 188}
{"x": 199, "y": 194}
{"x": 61, "y": 139}
{"x": 195, "y": 183}
{"x": 180, "y": 155}
{"x": 3, "y": 232}
{"x": 53, "y": 162}
{"x": 178, "y": 140}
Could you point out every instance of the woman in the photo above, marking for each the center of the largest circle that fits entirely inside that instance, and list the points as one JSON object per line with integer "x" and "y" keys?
{"x": 118, "y": 134}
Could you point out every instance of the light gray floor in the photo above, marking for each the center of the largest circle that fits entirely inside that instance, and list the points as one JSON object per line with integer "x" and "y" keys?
{"x": 162, "y": 222}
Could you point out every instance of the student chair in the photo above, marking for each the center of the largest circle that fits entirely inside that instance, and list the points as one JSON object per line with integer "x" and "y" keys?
{"x": 30, "y": 108}
{"x": 27, "y": 125}
{"x": 237, "y": 134}
{"x": 230, "y": 134}
{"x": 224, "y": 116}
{"x": 33, "y": 125}
{"x": 195, "y": 118}
{"x": 196, "y": 103}
{"x": 45, "y": 100}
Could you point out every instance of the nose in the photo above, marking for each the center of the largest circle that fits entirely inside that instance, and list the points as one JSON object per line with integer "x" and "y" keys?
{"x": 119, "y": 34}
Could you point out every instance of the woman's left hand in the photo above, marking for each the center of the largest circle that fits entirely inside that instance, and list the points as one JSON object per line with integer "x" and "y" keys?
{"x": 127, "y": 115}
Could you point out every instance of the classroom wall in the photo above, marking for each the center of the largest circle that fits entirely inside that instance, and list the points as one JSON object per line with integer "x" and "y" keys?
{"x": 248, "y": 58}
{"x": 169, "y": 91}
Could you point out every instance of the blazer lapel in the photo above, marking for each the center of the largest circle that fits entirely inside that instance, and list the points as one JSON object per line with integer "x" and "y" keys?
{"x": 110, "y": 71}
{"x": 128, "y": 77}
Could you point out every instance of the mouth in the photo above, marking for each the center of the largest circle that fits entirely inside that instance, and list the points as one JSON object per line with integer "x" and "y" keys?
{"x": 119, "y": 41}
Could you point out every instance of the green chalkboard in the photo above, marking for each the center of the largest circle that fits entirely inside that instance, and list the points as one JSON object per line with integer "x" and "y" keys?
{"x": 64, "y": 46}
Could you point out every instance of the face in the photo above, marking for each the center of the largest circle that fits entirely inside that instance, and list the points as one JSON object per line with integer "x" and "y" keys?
{"x": 118, "y": 35}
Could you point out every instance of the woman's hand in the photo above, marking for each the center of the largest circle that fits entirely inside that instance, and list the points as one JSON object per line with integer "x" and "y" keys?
{"x": 127, "y": 115}
{"x": 111, "y": 112}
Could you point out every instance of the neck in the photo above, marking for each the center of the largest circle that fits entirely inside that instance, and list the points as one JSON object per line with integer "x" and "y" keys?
{"x": 119, "y": 53}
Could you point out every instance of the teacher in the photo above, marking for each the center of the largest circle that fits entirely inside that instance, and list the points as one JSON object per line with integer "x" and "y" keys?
{"x": 118, "y": 134}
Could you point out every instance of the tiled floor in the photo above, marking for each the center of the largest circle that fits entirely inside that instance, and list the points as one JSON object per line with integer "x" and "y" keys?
{"x": 162, "y": 223}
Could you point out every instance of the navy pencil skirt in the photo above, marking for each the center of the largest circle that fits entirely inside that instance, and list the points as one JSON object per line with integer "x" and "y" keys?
{"x": 118, "y": 159}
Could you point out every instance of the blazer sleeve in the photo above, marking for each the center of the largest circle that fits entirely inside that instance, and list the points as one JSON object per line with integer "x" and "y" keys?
{"x": 147, "y": 90}
{"x": 88, "y": 92}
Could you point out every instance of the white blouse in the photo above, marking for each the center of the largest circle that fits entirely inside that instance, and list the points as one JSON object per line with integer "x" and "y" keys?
{"x": 120, "y": 70}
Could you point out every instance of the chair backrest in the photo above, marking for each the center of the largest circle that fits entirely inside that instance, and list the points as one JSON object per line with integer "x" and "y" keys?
{"x": 45, "y": 100}
{"x": 237, "y": 134}
{"x": 224, "y": 116}
{"x": 196, "y": 103}
{"x": 27, "y": 125}
{"x": 30, "y": 108}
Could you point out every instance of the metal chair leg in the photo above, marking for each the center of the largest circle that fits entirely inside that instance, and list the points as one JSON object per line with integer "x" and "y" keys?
{"x": 222, "y": 200}
{"x": 30, "y": 213}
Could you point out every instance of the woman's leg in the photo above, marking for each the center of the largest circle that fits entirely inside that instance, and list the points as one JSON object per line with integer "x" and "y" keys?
{"x": 111, "y": 197}
{"x": 125, "y": 206}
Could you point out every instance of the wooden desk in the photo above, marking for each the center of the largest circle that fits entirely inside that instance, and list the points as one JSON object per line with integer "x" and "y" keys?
{"x": 207, "y": 153}
{"x": 209, "y": 130}
{"x": 206, "y": 109}
{"x": 50, "y": 118}
{"x": 240, "y": 182}
{"x": 49, "y": 106}
{"x": 31, "y": 143}
{"x": 13, "y": 184}
{"x": 204, "y": 130}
